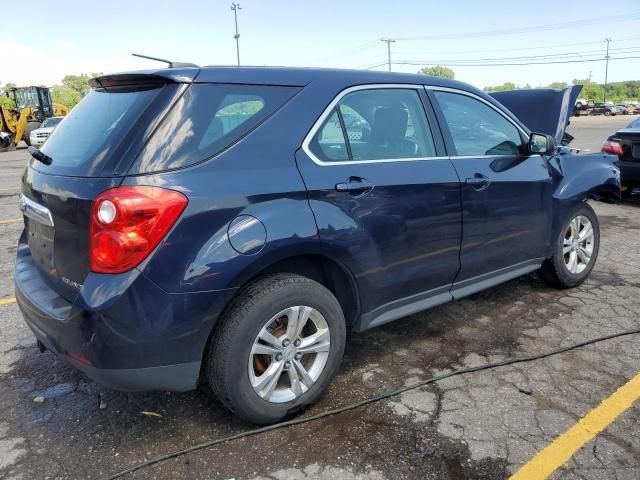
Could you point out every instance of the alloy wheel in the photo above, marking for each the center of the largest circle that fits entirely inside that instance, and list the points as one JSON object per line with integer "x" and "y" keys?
{"x": 577, "y": 247}
{"x": 289, "y": 354}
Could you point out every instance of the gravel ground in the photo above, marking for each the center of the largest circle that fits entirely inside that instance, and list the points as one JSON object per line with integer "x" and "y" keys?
{"x": 482, "y": 425}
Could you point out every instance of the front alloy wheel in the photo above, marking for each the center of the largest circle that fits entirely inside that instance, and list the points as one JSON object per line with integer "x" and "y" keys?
{"x": 575, "y": 250}
{"x": 578, "y": 244}
{"x": 289, "y": 354}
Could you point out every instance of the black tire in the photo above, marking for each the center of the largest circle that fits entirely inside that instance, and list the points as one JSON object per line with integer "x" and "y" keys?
{"x": 228, "y": 354}
{"x": 31, "y": 126}
{"x": 554, "y": 270}
{"x": 626, "y": 192}
{"x": 607, "y": 113}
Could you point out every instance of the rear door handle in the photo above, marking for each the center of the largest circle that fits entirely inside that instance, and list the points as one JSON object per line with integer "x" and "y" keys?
{"x": 478, "y": 181}
{"x": 355, "y": 186}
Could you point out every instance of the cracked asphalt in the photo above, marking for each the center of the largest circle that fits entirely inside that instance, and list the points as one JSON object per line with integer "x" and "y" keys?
{"x": 57, "y": 424}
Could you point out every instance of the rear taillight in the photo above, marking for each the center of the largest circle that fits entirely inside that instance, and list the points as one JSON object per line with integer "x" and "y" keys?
{"x": 127, "y": 223}
{"x": 612, "y": 146}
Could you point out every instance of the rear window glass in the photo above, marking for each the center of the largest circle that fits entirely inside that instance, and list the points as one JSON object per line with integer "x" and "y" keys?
{"x": 205, "y": 120}
{"x": 80, "y": 145}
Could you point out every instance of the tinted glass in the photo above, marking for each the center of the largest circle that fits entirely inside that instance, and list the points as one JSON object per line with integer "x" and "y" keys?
{"x": 329, "y": 144}
{"x": 51, "y": 122}
{"x": 206, "y": 120}
{"x": 81, "y": 144}
{"x": 386, "y": 123}
{"x": 476, "y": 128}
{"x": 634, "y": 124}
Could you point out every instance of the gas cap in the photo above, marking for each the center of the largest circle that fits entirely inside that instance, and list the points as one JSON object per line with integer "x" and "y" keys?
{"x": 247, "y": 234}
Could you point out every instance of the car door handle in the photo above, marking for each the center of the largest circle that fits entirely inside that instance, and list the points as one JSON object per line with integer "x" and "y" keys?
{"x": 478, "y": 181}
{"x": 355, "y": 186}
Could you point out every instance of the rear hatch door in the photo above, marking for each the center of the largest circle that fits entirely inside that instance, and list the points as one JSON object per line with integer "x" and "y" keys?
{"x": 89, "y": 151}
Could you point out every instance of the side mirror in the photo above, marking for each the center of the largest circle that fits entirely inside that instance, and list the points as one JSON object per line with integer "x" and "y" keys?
{"x": 539, "y": 143}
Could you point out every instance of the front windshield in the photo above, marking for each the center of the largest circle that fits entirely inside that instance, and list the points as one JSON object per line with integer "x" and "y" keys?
{"x": 51, "y": 122}
{"x": 26, "y": 98}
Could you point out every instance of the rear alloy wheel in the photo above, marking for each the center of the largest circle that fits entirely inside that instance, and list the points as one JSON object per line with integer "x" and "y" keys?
{"x": 576, "y": 250}
{"x": 277, "y": 348}
{"x": 289, "y": 354}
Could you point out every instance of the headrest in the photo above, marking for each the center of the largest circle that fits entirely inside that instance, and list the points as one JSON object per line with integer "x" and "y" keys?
{"x": 389, "y": 125}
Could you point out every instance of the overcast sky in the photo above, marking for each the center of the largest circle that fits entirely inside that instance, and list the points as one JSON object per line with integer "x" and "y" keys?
{"x": 44, "y": 40}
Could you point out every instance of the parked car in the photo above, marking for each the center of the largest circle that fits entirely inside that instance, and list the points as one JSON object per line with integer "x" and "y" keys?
{"x": 606, "y": 109}
{"x": 40, "y": 135}
{"x": 625, "y": 143}
{"x": 623, "y": 109}
{"x": 632, "y": 109}
{"x": 166, "y": 246}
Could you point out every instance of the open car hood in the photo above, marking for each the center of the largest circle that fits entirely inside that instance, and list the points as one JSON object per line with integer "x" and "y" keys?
{"x": 542, "y": 110}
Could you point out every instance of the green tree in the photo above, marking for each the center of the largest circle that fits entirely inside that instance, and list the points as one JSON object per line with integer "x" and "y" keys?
{"x": 438, "y": 71}
{"x": 65, "y": 95}
{"x": 502, "y": 88}
{"x": 558, "y": 85}
{"x": 79, "y": 83}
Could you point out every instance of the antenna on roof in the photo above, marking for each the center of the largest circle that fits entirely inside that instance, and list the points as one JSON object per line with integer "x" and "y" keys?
{"x": 168, "y": 62}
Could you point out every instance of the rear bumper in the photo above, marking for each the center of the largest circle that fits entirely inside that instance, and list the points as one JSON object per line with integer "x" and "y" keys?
{"x": 123, "y": 331}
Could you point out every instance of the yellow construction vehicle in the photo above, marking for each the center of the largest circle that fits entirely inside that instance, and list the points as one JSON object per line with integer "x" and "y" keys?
{"x": 31, "y": 106}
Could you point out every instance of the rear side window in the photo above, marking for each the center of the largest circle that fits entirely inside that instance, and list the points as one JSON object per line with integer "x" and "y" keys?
{"x": 207, "y": 119}
{"x": 375, "y": 124}
{"x": 81, "y": 144}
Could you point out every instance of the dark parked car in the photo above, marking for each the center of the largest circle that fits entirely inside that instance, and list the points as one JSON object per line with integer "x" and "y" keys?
{"x": 605, "y": 109}
{"x": 222, "y": 223}
{"x": 626, "y": 144}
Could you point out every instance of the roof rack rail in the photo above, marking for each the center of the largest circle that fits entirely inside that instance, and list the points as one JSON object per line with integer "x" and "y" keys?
{"x": 170, "y": 63}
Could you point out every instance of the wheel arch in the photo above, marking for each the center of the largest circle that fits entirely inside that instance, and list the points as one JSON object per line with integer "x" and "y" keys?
{"x": 318, "y": 267}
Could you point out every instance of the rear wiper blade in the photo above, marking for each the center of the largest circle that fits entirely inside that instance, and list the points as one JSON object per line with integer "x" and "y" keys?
{"x": 38, "y": 155}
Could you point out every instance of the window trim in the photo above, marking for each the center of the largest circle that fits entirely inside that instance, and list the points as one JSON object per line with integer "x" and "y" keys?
{"x": 333, "y": 104}
{"x": 523, "y": 132}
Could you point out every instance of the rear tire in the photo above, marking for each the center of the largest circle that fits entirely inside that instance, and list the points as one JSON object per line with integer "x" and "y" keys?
{"x": 575, "y": 250}
{"x": 253, "y": 345}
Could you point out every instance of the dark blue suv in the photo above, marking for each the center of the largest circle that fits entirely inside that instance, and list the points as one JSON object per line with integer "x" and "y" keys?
{"x": 230, "y": 224}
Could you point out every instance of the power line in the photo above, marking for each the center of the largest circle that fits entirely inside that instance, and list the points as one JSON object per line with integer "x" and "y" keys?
{"x": 447, "y": 64}
{"x": 584, "y": 55}
{"x": 537, "y": 28}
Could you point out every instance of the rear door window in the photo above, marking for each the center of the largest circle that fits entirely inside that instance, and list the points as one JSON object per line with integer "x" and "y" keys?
{"x": 207, "y": 119}
{"x": 376, "y": 124}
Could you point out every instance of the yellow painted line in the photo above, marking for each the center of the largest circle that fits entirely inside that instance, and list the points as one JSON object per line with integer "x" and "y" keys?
{"x": 558, "y": 452}
{"x": 11, "y": 220}
{"x": 6, "y": 301}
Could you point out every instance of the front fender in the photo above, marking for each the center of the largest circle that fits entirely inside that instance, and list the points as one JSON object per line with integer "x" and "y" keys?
{"x": 581, "y": 176}
{"x": 578, "y": 177}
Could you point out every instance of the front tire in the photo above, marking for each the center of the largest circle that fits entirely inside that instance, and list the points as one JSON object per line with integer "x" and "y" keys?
{"x": 575, "y": 250}
{"x": 277, "y": 348}
{"x": 31, "y": 126}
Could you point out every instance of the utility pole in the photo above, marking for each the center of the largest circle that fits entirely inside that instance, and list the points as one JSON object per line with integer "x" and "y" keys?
{"x": 235, "y": 7}
{"x": 606, "y": 69}
{"x": 388, "y": 41}
{"x": 590, "y": 72}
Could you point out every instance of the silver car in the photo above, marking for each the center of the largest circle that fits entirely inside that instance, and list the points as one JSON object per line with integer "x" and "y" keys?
{"x": 40, "y": 135}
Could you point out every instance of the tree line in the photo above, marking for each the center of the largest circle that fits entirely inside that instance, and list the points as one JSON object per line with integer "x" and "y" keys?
{"x": 616, "y": 91}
